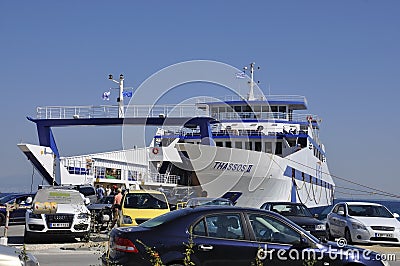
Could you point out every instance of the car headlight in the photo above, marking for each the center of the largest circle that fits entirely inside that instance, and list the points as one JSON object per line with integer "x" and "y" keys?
{"x": 358, "y": 226}
{"x": 320, "y": 227}
{"x": 83, "y": 215}
{"x": 35, "y": 216}
{"x": 126, "y": 219}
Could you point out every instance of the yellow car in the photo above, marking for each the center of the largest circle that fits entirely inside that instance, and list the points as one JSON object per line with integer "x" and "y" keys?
{"x": 139, "y": 206}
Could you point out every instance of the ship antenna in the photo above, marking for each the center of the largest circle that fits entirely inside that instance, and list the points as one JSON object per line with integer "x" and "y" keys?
{"x": 120, "y": 99}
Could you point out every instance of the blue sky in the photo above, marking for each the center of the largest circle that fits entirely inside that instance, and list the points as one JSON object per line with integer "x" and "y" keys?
{"x": 342, "y": 55}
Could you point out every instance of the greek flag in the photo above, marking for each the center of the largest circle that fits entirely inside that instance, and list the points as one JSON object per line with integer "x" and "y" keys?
{"x": 240, "y": 75}
{"x": 106, "y": 96}
{"x": 127, "y": 93}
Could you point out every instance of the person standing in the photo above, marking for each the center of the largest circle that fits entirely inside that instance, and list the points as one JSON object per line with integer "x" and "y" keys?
{"x": 100, "y": 192}
{"x": 117, "y": 207}
{"x": 108, "y": 190}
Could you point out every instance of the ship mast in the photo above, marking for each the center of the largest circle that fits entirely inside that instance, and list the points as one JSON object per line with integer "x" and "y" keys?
{"x": 120, "y": 99}
{"x": 251, "y": 92}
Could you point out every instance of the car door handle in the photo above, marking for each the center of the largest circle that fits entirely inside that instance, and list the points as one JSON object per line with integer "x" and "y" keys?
{"x": 205, "y": 247}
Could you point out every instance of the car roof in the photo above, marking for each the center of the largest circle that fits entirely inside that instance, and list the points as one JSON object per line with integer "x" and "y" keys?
{"x": 362, "y": 203}
{"x": 208, "y": 199}
{"x": 144, "y": 191}
{"x": 284, "y": 203}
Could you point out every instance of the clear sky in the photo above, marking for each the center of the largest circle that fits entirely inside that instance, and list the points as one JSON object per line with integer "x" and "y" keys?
{"x": 344, "y": 56}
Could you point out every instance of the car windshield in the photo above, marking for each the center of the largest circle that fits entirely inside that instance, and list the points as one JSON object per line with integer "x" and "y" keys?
{"x": 369, "y": 211}
{"x": 59, "y": 196}
{"x": 145, "y": 201}
{"x": 107, "y": 200}
{"x": 291, "y": 210}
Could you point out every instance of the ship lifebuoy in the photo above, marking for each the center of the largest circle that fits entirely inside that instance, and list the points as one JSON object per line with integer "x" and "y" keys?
{"x": 155, "y": 150}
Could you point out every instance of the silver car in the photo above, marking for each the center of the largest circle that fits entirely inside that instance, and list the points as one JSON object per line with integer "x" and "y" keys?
{"x": 363, "y": 222}
{"x": 10, "y": 256}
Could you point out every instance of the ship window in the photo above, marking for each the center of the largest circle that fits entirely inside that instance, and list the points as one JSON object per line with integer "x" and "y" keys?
{"x": 248, "y": 145}
{"x": 257, "y": 146}
{"x": 238, "y": 109}
{"x": 228, "y": 144}
{"x": 219, "y": 144}
{"x": 268, "y": 147}
{"x": 257, "y": 108}
{"x": 238, "y": 145}
{"x": 221, "y": 109}
{"x": 278, "y": 149}
{"x": 274, "y": 109}
{"x": 282, "y": 109}
{"x": 265, "y": 108}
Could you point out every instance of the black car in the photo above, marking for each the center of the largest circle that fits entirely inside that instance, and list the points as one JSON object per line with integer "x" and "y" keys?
{"x": 17, "y": 215}
{"x": 225, "y": 235}
{"x": 300, "y": 215}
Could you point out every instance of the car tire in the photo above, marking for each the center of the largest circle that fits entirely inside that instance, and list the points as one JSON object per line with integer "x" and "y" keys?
{"x": 347, "y": 235}
{"x": 2, "y": 219}
{"x": 28, "y": 237}
{"x": 328, "y": 234}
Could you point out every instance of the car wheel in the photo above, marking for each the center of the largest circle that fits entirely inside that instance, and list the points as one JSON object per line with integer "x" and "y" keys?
{"x": 347, "y": 235}
{"x": 85, "y": 238}
{"x": 2, "y": 219}
{"x": 28, "y": 237}
{"x": 328, "y": 233}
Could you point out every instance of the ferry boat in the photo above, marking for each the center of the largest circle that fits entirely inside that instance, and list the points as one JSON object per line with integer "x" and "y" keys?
{"x": 251, "y": 149}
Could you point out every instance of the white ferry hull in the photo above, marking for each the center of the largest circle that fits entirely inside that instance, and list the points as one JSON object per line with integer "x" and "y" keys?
{"x": 259, "y": 176}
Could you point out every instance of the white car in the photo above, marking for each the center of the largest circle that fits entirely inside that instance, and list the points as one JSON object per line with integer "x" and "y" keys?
{"x": 363, "y": 222}
{"x": 57, "y": 212}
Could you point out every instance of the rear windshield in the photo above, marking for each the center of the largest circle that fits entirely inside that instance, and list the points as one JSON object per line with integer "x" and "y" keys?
{"x": 145, "y": 201}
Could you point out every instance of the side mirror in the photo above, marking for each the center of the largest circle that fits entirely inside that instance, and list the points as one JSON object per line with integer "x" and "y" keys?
{"x": 87, "y": 201}
{"x": 395, "y": 215}
{"x": 303, "y": 243}
{"x": 28, "y": 200}
{"x": 341, "y": 213}
{"x": 316, "y": 216}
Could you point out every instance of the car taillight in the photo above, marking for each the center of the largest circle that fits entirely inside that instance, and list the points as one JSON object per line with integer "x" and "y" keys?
{"x": 125, "y": 245}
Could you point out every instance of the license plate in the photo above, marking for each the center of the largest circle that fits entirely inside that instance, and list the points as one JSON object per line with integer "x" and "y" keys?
{"x": 63, "y": 225}
{"x": 383, "y": 235}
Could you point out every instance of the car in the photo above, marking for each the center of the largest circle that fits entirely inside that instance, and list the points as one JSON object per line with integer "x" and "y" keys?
{"x": 225, "y": 235}
{"x": 139, "y": 206}
{"x": 57, "y": 212}
{"x": 11, "y": 256}
{"x": 17, "y": 215}
{"x": 300, "y": 215}
{"x": 363, "y": 222}
{"x": 208, "y": 201}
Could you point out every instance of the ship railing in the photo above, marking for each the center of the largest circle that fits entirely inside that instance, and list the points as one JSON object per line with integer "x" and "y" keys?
{"x": 260, "y": 97}
{"x": 265, "y": 116}
{"x": 162, "y": 178}
{"x": 111, "y": 111}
